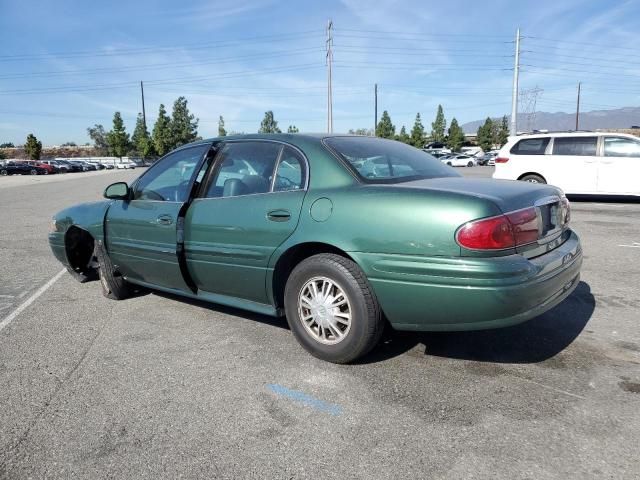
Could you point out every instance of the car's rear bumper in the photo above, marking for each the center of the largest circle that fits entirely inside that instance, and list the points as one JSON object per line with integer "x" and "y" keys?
{"x": 447, "y": 294}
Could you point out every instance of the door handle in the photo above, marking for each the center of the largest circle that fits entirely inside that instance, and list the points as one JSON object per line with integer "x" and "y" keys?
{"x": 164, "y": 219}
{"x": 279, "y": 215}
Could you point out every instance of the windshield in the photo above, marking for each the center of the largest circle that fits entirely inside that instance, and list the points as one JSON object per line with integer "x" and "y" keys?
{"x": 377, "y": 160}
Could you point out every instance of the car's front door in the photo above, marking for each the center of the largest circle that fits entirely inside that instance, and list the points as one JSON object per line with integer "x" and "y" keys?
{"x": 141, "y": 232}
{"x": 619, "y": 168}
{"x": 250, "y": 205}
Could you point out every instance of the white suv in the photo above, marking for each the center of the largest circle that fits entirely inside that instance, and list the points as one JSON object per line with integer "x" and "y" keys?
{"x": 578, "y": 162}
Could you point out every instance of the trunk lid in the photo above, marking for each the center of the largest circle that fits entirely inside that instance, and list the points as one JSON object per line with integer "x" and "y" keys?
{"x": 510, "y": 196}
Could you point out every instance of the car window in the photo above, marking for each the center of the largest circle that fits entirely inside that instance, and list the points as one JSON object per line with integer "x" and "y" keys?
{"x": 621, "y": 147}
{"x": 575, "y": 145}
{"x": 244, "y": 168}
{"x": 531, "y": 146}
{"x": 291, "y": 171}
{"x": 377, "y": 160}
{"x": 169, "y": 180}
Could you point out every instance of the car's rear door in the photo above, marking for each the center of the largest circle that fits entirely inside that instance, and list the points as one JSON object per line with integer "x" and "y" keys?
{"x": 619, "y": 168}
{"x": 141, "y": 233}
{"x": 243, "y": 213}
{"x": 574, "y": 165}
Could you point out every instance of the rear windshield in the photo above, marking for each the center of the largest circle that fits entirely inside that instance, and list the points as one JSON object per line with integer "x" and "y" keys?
{"x": 377, "y": 160}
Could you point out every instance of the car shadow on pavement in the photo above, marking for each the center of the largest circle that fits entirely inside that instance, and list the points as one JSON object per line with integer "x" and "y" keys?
{"x": 533, "y": 341}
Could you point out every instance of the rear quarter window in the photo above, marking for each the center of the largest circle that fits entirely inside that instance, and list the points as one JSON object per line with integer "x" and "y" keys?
{"x": 530, "y": 146}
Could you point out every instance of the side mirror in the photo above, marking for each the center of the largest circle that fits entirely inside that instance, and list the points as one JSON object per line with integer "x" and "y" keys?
{"x": 117, "y": 191}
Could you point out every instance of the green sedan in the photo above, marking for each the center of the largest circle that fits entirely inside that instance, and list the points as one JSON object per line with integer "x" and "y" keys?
{"x": 340, "y": 234}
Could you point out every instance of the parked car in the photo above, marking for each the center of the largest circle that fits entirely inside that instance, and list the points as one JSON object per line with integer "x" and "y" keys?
{"x": 61, "y": 167}
{"x": 459, "y": 160}
{"x": 71, "y": 166}
{"x": 125, "y": 165}
{"x": 282, "y": 225}
{"x": 22, "y": 169}
{"x": 51, "y": 169}
{"x": 589, "y": 163}
{"x": 488, "y": 158}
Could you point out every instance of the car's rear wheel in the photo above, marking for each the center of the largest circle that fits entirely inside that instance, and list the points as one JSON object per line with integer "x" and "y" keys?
{"x": 449, "y": 163}
{"x": 113, "y": 285}
{"x": 470, "y": 164}
{"x": 33, "y": 172}
{"x": 533, "y": 178}
{"x": 4, "y": 173}
{"x": 331, "y": 308}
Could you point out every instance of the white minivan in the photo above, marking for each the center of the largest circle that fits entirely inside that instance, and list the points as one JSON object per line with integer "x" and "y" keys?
{"x": 590, "y": 163}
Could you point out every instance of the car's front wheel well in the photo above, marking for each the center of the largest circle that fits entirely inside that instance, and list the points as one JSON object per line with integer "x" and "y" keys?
{"x": 79, "y": 246}
{"x": 292, "y": 257}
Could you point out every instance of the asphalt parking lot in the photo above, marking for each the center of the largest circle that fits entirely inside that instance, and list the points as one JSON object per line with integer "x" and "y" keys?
{"x": 158, "y": 387}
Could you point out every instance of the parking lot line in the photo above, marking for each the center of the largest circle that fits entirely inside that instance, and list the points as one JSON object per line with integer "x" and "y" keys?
{"x": 9, "y": 318}
{"x": 305, "y": 399}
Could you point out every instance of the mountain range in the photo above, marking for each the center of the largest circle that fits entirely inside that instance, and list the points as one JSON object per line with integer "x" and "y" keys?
{"x": 597, "y": 119}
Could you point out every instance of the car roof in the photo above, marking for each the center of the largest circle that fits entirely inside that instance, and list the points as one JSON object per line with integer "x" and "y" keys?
{"x": 293, "y": 138}
{"x": 581, "y": 133}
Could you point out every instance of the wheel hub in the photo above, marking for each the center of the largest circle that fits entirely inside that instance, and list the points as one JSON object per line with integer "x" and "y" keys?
{"x": 324, "y": 310}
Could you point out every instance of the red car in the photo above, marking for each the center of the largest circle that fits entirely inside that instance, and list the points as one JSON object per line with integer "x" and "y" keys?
{"x": 49, "y": 168}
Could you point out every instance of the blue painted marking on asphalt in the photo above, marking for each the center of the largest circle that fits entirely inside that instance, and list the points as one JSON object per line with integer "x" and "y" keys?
{"x": 305, "y": 399}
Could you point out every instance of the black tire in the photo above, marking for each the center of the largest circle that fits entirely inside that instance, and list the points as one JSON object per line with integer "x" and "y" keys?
{"x": 470, "y": 164}
{"x": 113, "y": 285}
{"x": 449, "y": 163}
{"x": 34, "y": 172}
{"x": 533, "y": 178}
{"x": 367, "y": 322}
{"x": 4, "y": 173}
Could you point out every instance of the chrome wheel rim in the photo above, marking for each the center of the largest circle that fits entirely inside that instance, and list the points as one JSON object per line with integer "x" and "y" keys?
{"x": 324, "y": 310}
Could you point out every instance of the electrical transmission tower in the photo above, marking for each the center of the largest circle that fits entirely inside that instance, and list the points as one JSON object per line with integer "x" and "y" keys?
{"x": 527, "y": 101}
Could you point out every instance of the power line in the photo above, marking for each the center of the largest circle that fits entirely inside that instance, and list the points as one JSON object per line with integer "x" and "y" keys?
{"x": 144, "y": 50}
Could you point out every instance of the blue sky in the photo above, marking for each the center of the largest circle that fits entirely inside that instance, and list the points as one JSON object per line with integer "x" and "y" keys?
{"x": 66, "y": 65}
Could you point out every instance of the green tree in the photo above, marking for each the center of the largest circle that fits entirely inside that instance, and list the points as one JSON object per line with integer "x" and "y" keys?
{"x": 184, "y": 125}
{"x": 456, "y": 136}
{"x": 99, "y": 137}
{"x": 69, "y": 144}
{"x": 2, "y": 155}
{"x": 33, "y": 147}
{"x": 269, "y": 124}
{"x": 417, "y": 133}
{"x": 161, "y": 135}
{"x": 486, "y": 135}
{"x": 7, "y": 145}
{"x": 118, "y": 138}
{"x": 438, "y": 126}
{"x": 361, "y": 131}
{"x": 221, "y": 131}
{"x": 385, "y": 129}
{"x": 403, "y": 136}
{"x": 503, "y": 132}
{"x": 292, "y": 129}
{"x": 141, "y": 139}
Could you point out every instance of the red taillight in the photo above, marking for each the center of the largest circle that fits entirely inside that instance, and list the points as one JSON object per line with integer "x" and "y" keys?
{"x": 502, "y": 159}
{"x": 489, "y": 234}
{"x": 497, "y": 233}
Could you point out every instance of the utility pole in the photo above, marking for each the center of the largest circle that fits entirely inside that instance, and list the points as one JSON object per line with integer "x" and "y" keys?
{"x": 329, "y": 62}
{"x": 144, "y": 115}
{"x": 578, "y": 108}
{"x": 514, "y": 93}
{"x": 375, "y": 109}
